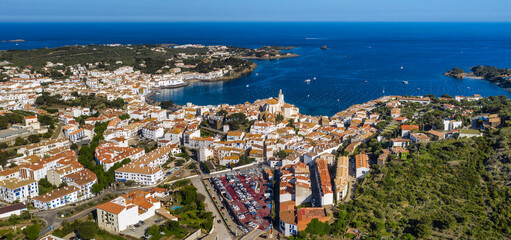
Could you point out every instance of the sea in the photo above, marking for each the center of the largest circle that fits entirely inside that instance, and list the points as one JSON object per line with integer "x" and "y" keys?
{"x": 363, "y": 61}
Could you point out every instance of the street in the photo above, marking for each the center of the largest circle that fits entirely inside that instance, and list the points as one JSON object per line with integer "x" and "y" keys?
{"x": 220, "y": 228}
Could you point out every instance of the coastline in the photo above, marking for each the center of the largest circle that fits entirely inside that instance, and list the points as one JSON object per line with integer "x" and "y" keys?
{"x": 237, "y": 75}
{"x": 292, "y": 55}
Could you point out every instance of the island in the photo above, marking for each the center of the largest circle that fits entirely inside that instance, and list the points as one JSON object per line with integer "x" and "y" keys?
{"x": 14, "y": 40}
{"x": 499, "y": 76}
{"x": 457, "y": 73}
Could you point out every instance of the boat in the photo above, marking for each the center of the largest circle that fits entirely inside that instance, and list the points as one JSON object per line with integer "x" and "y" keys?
{"x": 405, "y": 82}
{"x": 365, "y": 81}
{"x": 248, "y": 85}
{"x": 314, "y": 78}
{"x": 337, "y": 100}
{"x": 257, "y": 74}
{"x": 402, "y": 67}
{"x": 308, "y": 95}
{"x": 324, "y": 47}
{"x": 307, "y": 80}
{"x": 418, "y": 89}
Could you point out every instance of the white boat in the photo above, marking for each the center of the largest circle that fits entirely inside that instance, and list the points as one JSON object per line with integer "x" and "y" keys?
{"x": 314, "y": 78}
{"x": 257, "y": 74}
{"x": 248, "y": 85}
{"x": 307, "y": 80}
{"x": 365, "y": 81}
{"x": 337, "y": 100}
{"x": 402, "y": 67}
{"x": 405, "y": 82}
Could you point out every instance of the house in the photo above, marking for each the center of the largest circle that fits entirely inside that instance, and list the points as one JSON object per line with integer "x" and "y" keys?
{"x": 126, "y": 210}
{"x": 15, "y": 189}
{"x": 395, "y": 112}
{"x": 291, "y": 220}
{"x": 361, "y": 165}
{"x": 400, "y": 142}
{"x": 77, "y": 135}
{"x": 452, "y": 124}
{"x": 235, "y": 135}
{"x": 469, "y": 133}
{"x": 14, "y": 209}
{"x": 419, "y": 138}
{"x": 436, "y": 135}
{"x": 406, "y": 129}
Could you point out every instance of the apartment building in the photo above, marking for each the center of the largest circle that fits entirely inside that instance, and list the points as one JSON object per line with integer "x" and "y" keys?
{"x": 15, "y": 189}
{"x": 324, "y": 183}
{"x": 124, "y": 211}
{"x": 56, "y": 198}
{"x": 341, "y": 178}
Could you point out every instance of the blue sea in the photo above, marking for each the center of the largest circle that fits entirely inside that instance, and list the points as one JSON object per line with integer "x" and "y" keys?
{"x": 383, "y": 54}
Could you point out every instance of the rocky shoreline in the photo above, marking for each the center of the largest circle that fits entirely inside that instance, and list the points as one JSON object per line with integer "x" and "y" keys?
{"x": 292, "y": 55}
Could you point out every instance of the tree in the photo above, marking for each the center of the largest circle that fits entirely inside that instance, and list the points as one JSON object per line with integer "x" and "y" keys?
{"x": 153, "y": 230}
{"x": 32, "y": 232}
{"x": 222, "y": 112}
{"x": 124, "y": 116}
{"x": 96, "y": 188}
{"x": 20, "y": 141}
{"x": 87, "y": 230}
{"x": 74, "y": 146}
{"x": 167, "y": 104}
{"x": 317, "y": 227}
{"x": 279, "y": 118}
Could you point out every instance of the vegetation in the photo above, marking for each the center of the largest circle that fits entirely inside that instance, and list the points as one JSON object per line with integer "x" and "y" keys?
{"x": 45, "y": 186}
{"x": 449, "y": 190}
{"x": 90, "y": 101}
{"x": 32, "y": 232}
{"x": 455, "y": 73}
{"x": 85, "y": 230}
{"x": 167, "y": 104}
{"x": 490, "y": 73}
{"x": 192, "y": 213}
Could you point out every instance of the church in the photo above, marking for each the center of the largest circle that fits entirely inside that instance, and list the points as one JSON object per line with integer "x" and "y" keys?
{"x": 275, "y": 106}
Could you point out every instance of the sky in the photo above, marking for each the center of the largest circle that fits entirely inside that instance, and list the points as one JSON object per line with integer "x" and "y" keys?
{"x": 257, "y": 11}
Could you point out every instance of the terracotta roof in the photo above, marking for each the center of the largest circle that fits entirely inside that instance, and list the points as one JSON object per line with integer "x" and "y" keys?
{"x": 111, "y": 207}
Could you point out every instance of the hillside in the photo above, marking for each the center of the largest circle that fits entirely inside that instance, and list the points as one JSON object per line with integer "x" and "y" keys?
{"x": 448, "y": 190}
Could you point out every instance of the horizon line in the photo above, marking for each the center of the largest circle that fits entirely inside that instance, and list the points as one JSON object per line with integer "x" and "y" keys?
{"x": 250, "y": 21}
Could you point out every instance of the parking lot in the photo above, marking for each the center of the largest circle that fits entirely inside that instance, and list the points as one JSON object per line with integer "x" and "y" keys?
{"x": 248, "y": 198}
{"x": 139, "y": 230}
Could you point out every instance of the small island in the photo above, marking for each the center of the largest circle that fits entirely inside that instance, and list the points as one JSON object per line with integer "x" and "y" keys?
{"x": 499, "y": 76}
{"x": 14, "y": 40}
{"x": 457, "y": 73}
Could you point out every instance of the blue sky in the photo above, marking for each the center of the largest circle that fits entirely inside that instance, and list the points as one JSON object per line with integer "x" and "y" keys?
{"x": 258, "y": 10}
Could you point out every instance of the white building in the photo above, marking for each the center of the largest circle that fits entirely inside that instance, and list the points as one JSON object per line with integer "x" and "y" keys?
{"x": 126, "y": 210}
{"x": 361, "y": 165}
{"x": 142, "y": 175}
{"x": 13, "y": 189}
{"x": 56, "y": 198}
{"x": 452, "y": 124}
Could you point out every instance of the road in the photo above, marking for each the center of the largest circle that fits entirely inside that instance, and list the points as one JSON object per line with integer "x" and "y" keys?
{"x": 220, "y": 228}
